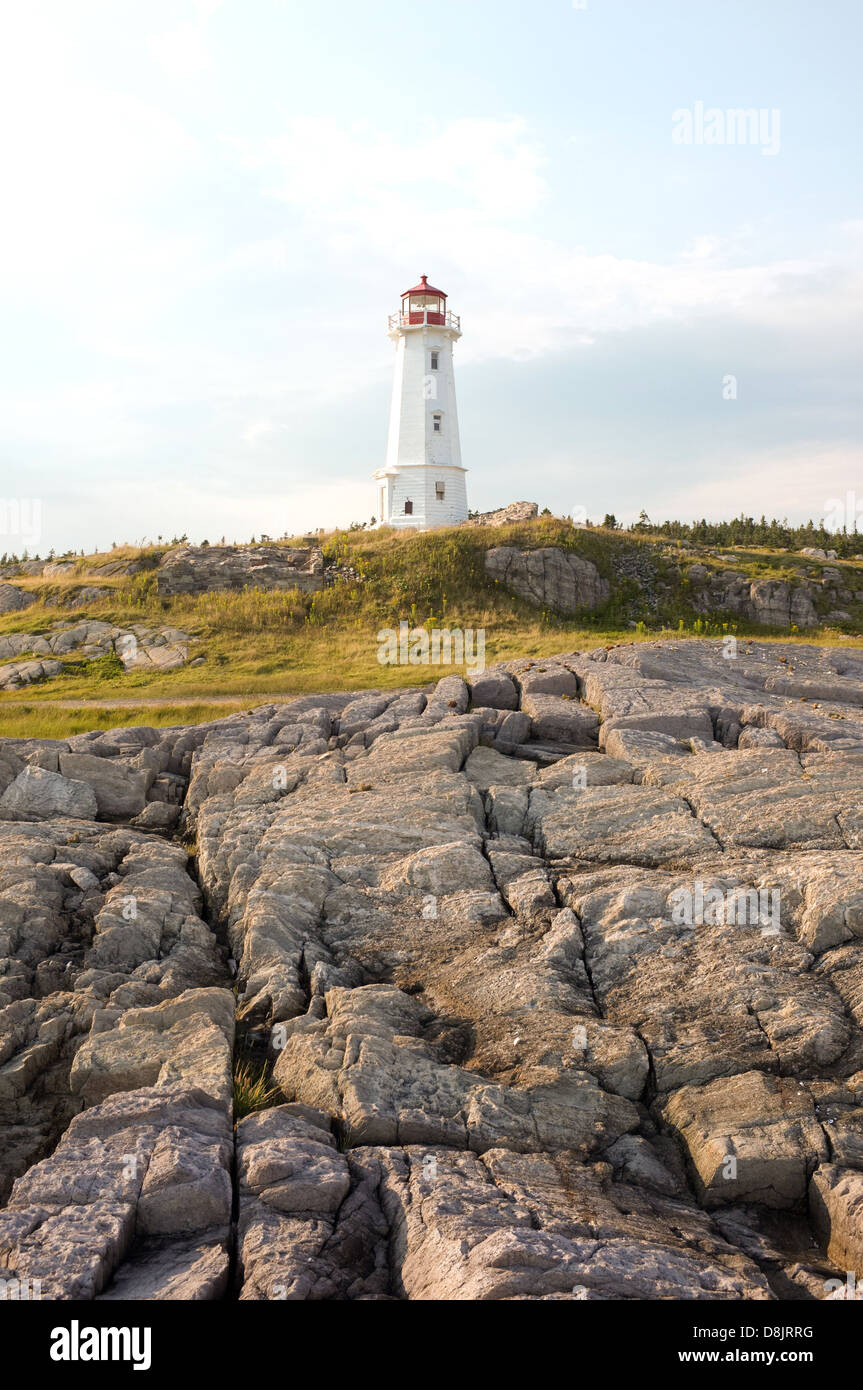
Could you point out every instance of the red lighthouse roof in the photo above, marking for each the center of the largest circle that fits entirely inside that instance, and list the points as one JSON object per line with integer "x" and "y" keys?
{"x": 424, "y": 288}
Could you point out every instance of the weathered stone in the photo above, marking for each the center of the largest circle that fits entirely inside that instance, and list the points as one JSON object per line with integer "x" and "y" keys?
{"x": 185, "y": 1039}
{"x": 494, "y": 688}
{"x": 485, "y": 768}
{"x": 750, "y": 1138}
{"x": 120, "y": 791}
{"x": 505, "y": 516}
{"x": 561, "y": 720}
{"x": 836, "y": 1205}
{"x": 550, "y": 1019}
{"x": 526, "y": 1226}
{"x": 191, "y": 569}
{"x": 555, "y": 579}
{"x": 37, "y": 794}
{"x": 12, "y": 600}
{"x": 189, "y": 1270}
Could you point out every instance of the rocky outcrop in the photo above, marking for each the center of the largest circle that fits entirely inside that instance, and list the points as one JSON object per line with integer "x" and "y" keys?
{"x": 768, "y": 602}
{"x": 35, "y": 656}
{"x": 555, "y": 579}
{"x": 63, "y": 569}
{"x": 561, "y": 581}
{"x": 505, "y": 516}
{"x": 37, "y": 794}
{"x": 195, "y": 569}
{"x": 801, "y": 603}
{"x": 12, "y": 599}
{"x": 556, "y": 978}
{"x": 81, "y": 597}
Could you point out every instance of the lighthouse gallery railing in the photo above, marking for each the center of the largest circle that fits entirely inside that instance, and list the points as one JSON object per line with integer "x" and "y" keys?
{"x": 425, "y": 316}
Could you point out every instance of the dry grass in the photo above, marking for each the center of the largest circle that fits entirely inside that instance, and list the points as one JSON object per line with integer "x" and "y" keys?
{"x": 47, "y": 719}
{"x": 258, "y": 644}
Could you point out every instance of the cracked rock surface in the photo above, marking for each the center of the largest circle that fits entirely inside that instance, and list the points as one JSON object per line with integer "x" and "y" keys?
{"x": 556, "y": 974}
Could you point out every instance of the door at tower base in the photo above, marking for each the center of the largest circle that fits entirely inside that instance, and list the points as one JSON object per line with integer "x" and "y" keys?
{"x": 418, "y": 497}
{"x": 422, "y": 483}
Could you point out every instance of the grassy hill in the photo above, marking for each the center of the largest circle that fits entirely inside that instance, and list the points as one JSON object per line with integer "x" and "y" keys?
{"x": 257, "y": 644}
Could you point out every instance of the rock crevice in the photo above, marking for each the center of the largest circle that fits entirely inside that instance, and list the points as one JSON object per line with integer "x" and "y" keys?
{"x": 558, "y": 977}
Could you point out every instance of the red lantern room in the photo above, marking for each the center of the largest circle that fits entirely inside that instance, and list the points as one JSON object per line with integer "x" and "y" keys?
{"x": 424, "y": 304}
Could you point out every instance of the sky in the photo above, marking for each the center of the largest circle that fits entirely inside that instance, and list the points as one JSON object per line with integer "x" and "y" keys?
{"x": 209, "y": 208}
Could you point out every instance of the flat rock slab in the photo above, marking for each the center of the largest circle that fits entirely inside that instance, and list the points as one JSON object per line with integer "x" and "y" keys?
{"x": 621, "y": 824}
{"x": 750, "y": 1138}
{"x": 187, "y": 1039}
{"x": 836, "y": 1205}
{"x": 558, "y": 719}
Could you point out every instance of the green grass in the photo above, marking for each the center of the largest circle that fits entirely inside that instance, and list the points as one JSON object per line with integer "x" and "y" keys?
{"x": 19, "y": 719}
{"x": 258, "y": 644}
{"x": 252, "y": 1090}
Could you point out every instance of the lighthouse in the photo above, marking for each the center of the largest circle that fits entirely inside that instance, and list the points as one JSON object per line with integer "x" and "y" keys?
{"x": 422, "y": 483}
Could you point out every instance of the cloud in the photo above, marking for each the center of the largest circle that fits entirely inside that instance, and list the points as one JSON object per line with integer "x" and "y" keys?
{"x": 133, "y": 508}
{"x": 493, "y": 166}
{"x": 795, "y": 481}
{"x": 469, "y": 200}
{"x": 182, "y": 52}
{"x": 75, "y": 190}
{"x": 246, "y": 351}
{"x": 258, "y": 431}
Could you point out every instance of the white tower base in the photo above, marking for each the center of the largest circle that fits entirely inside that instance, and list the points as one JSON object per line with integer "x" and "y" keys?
{"x": 419, "y": 484}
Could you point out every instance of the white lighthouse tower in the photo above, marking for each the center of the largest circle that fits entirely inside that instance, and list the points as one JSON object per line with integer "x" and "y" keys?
{"x": 422, "y": 483}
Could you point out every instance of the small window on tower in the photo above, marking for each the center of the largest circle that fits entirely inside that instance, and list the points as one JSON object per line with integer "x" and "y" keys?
{"x": 409, "y": 508}
{"x": 434, "y": 358}
{"x": 439, "y": 490}
{"x": 436, "y": 422}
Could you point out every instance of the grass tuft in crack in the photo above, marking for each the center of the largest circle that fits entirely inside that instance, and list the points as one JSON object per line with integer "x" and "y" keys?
{"x": 252, "y": 1089}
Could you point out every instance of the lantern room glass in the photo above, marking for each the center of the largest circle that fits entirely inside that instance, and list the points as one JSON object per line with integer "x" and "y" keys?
{"x": 418, "y": 302}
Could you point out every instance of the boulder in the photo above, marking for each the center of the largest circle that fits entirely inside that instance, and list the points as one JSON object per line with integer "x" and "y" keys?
{"x": 190, "y": 569}
{"x": 836, "y": 1208}
{"x": 494, "y": 689}
{"x": 556, "y": 579}
{"x": 37, "y": 794}
{"x": 750, "y": 1138}
{"x": 560, "y": 720}
{"x": 120, "y": 791}
{"x": 12, "y": 599}
{"x": 505, "y": 516}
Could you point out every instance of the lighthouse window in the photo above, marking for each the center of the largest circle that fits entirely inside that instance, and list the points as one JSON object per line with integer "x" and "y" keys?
{"x": 439, "y": 489}
{"x": 434, "y": 358}
{"x": 409, "y": 508}
{"x": 436, "y": 419}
